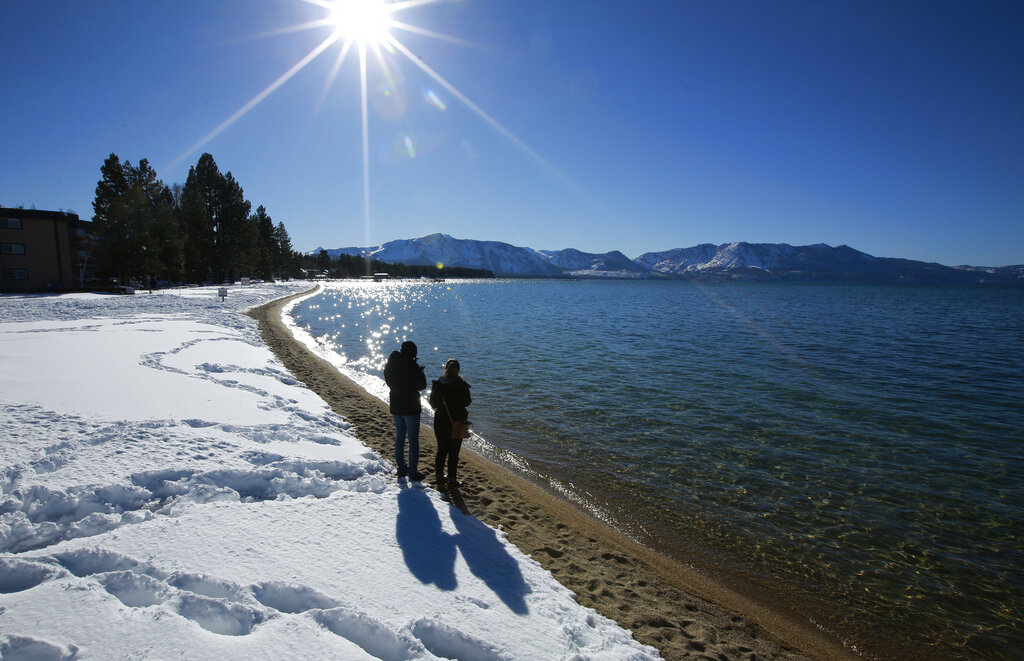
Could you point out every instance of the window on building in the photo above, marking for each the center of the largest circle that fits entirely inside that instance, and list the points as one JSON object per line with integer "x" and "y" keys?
{"x": 10, "y": 223}
{"x": 15, "y": 274}
{"x": 12, "y": 248}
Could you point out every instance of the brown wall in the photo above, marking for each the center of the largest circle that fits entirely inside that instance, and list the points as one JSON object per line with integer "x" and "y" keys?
{"x": 48, "y": 257}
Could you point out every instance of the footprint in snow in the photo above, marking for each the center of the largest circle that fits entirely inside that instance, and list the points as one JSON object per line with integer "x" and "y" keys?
{"x": 87, "y": 562}
{"x": 289, "y": 598}
{"x": 206, "y": 586}
{"x": 372, "y": 635}
{"x": 449, "y": 643}
{"x": 24, "y": 648}
{"x": 135, "y": 590}
{"x": 218, "y": 615}
{"x": 226, "y": 608}
{"x": 19, "y": 575}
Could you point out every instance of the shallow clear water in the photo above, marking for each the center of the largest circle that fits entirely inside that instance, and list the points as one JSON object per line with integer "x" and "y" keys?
{"x": 861, "y": 446}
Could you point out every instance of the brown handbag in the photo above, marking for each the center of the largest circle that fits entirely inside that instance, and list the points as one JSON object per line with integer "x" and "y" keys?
{"x": 460, "y": 428}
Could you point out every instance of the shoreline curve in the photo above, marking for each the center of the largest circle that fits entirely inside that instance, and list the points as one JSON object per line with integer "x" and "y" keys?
{"x": 666, "y": 604}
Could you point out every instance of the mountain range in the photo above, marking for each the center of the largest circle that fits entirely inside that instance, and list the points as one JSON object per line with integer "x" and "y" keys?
{"x": 731, "y": 261}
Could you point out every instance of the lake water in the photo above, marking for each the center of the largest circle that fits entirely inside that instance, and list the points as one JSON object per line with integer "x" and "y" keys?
{"x": 856, "y": 453}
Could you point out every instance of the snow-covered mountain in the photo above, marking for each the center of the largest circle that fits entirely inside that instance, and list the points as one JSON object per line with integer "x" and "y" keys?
{"x": 585, "y": 263}
{"x": 503, "y": 259}
{"x": 768, "y": 257}
{"x": 731, "y": 261}
{"x": 812, "y": 263}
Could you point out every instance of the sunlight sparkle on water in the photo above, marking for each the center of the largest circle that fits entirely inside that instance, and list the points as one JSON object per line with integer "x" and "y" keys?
{"x": 378, "y": 307}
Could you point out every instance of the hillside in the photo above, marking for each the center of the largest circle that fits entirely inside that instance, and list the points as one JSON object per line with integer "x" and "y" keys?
{"x": 778, "y": 262}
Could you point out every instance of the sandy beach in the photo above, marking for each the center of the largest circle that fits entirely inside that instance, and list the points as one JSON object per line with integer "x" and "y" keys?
{"x": 668, "y": 605}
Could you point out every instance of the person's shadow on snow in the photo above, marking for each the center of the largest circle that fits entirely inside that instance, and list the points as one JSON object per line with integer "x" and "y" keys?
{"x": 428, "y": 550}
{"x": 490, "y": 562}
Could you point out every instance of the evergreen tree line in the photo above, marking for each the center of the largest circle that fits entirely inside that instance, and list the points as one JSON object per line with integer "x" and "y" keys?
{"x": 203, "y": 231}
{"x": 355, "y": 266}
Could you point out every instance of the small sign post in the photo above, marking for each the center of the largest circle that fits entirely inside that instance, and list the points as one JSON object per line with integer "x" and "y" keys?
{"x": 223, "y": 293}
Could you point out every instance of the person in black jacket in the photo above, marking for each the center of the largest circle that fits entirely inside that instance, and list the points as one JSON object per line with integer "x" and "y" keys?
{"x": 449, "y": 397}
{"x": 405, "y": 380}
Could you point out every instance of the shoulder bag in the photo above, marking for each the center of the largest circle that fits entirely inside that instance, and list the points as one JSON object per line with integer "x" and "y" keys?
{"x": 460, "y": 428}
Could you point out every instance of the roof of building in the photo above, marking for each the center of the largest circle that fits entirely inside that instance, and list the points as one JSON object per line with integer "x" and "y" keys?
{"x": 8, "y": 212}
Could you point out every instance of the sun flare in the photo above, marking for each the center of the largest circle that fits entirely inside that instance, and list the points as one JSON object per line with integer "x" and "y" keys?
{"x": 361, "y": 21}
{"x": 364, "y": 28}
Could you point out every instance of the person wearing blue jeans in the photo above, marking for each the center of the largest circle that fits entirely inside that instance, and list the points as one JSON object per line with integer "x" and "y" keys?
{"x": 405, "y": 380}
{"x": 407, "y": 425}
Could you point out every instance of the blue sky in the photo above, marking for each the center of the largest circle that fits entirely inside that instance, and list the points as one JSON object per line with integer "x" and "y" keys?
{"x": 894, "y": 127}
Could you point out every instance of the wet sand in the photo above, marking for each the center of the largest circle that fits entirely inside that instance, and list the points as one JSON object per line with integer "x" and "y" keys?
{"x": 666, "y": 604}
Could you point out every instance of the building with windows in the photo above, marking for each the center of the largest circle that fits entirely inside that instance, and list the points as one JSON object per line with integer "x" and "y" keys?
{"x": 43, "y": 250}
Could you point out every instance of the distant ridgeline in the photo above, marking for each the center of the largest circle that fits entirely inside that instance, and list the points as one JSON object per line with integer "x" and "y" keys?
{"x": 770, "y": 262}
{"x": 341, "y": 265}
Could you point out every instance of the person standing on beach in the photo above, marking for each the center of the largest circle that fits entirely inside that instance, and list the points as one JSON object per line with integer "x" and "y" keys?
{"x": 449, "y": 397}
{"x": 405, "y": 379}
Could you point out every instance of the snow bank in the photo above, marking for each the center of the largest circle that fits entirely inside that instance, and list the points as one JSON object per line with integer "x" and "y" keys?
{"x": 167, "y": 489}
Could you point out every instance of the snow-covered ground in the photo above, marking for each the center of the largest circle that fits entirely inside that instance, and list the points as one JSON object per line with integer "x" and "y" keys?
{"x": 169, "y": 491}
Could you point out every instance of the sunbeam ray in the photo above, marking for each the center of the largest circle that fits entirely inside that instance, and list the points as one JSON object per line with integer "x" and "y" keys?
{"x": 497, "y": 126}
{"x": 435, "y": 35}
{"x": 366, "y": 147}
{"x": 383, "y": 63}
{"x": 301, "y": 27}
{"x": 326, "y": 4}
{"x": 333, "y": 75}
{"x": 313, "y": 54}
{"x": 407, "y": 4}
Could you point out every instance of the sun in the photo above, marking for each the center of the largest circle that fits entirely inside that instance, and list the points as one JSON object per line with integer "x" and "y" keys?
{"x": 364, "y": 22}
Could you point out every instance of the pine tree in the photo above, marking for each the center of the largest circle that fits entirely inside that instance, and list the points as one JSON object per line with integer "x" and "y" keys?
{"x": 197, "y": 234}
{"x": 265, "y": 234}
{"x": 201, "y": 231}
{"x": 216, "y": 217}
{"x": 199, "y": 210}
{"x": 156, "y": 224}
{"x": 323, "y": 261}
{"x": 133, "y": 211}
{"x": 109, "y": 191}
{"x": 235, "y": 236}
{"x": 285, "y": 258}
